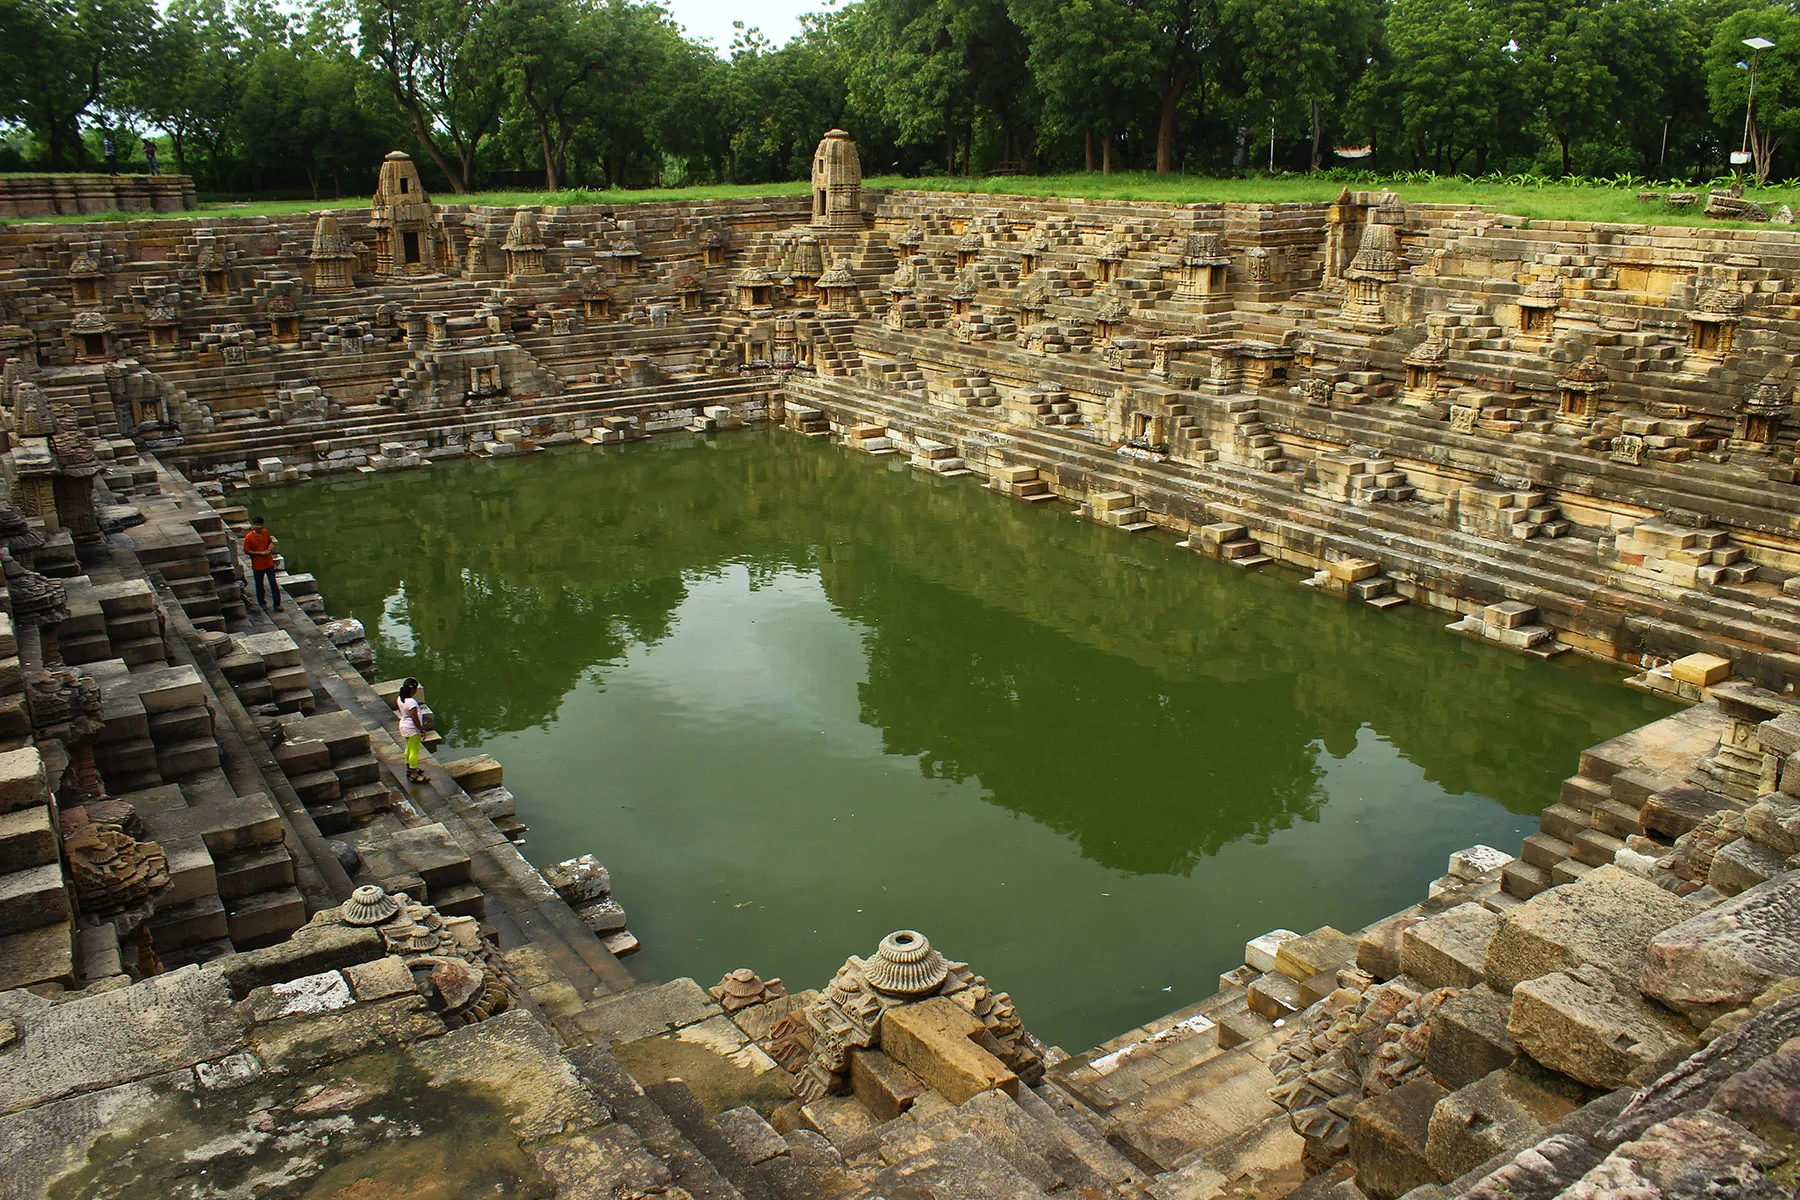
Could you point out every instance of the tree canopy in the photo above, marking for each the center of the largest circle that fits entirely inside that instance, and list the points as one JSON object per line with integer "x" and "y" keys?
{"x": 254, "y": 95}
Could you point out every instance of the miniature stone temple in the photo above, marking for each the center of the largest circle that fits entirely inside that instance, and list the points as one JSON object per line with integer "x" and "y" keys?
{"x": 333, "y": 261}
{"x": 837, "y": 183}
{"x": 403, "y": 221}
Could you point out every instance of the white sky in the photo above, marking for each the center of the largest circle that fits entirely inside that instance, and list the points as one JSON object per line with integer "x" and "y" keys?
{"x": 710, "y": 20}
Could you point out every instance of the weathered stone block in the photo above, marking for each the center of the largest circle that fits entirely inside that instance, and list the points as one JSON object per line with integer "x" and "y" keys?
{"x": 1583, "y": 1023}
{"x": 1606, "y": 917}
{"x": 27, "y": 839}
{"x": 1380, "y": 950}
{"x": 1674, "y": 811}
{"x": 885, "y": 1088}
{"x": 1702, "y": 669}
{"x": 22, "y": 780}
{"x": 32, "y": 897}
{"x": 1505, "y": 1110}
{"x": 1774, "y": 820}
{"x": 1389, "y": 1135}
{"x": 1324, "y": 949}
{"x": 1450, "y": 949}
{"x": 940, "y": 1041}
{"x": 1469, "y": 1037}
{"x": 1259, "y": 952}
{"x": 1742, "y": 864}
{"x": 1724, "y": 957}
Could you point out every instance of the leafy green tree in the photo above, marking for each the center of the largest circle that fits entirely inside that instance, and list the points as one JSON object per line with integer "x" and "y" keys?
{"x": 1776, "y": 116}
{"x": 1089, "y": 79}
{"x": 61, "y": 59}
{"x": 1450, "y": 87}
{"x": 1302, "y": 58}
{"x": 440, "y": 58}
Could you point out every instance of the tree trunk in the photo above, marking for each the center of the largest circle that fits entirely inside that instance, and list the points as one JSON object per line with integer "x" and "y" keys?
{"x": 312, "y": 179}
{"x": 337, "y": 185}
{"x": 1317, "y": 134}
{"x": 1562, "y": 140}
{"x": 1175, "y": 86}
{"x": 422, "y": 133}
{"x": 968, "y": 137}
{"x": 550, "y": 181}
{"x": 1087, "y": 140}
{"x": 1106, "y": 153}
{"x": 731, "y": 165}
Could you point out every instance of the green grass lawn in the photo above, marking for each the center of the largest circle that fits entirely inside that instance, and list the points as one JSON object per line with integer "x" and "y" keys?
{"x": 1554, "y": 201}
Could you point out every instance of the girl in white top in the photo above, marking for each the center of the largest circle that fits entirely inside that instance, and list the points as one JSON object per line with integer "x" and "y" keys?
{"x": 412, "y": 728}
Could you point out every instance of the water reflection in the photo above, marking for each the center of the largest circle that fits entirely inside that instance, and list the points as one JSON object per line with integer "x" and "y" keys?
{"x": 796, "y": 697}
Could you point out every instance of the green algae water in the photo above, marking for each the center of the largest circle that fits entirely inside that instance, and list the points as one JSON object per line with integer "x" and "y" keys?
{"x": 796, "y": 698}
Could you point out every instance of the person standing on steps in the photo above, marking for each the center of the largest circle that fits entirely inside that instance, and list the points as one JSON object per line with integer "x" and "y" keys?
{"x": 259, "y": 544}
{"x": 412, "y": 728}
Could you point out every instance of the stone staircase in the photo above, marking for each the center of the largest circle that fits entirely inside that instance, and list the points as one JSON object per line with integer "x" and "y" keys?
{"x": 1358, "y": 579}
{"x": 1119, "y": 510}
{"x": 969, "y": 391}
{"x": 1231, "y": 542}
{"x": 1025, "y": 483}
{"x": 939, "y": 458}
{"x": 1254, "y": 444}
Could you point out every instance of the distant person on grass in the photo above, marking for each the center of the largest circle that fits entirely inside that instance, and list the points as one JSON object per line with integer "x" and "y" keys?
{"x": 150, "y": 158}
{"x": 259, "y": 544}
{"x": 412, "y": 728}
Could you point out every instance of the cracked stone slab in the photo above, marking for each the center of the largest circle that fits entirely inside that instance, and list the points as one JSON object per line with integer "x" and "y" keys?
{"x": 167, "y": 1022}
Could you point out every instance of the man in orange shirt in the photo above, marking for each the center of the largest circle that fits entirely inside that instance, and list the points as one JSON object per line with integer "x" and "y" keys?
{"x": 260, "y": 546}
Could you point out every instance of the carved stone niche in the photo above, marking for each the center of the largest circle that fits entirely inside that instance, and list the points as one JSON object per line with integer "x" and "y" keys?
{"x": 837, "y": 287}
{"x": 162, "y": 324}
{"x": 1112, "y": 253}
{"x": 1760, "y": 415}
{"x": 1713, "y": 326}
{"x": 85, "y": 279}
{"x": 1537, "y": 309}
{"x": 1425, "y": 364}
{"x": 484, "y": 380}
{"x": 596, "y": 303}
{"x": 92, "y": 336}
{"x": 1578, "y": 393}
{"x": 284, "y": 321}
{"x": 215, "y": 279}
{"x": 1205, "y": 267}
{"x": 688, "y": 293}
{"x": 755, "y": 290}
{"x": 712, "y": 245}
{"x": 969, "y": 249}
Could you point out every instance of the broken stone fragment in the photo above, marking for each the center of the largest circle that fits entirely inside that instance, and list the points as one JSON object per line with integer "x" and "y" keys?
{"x": 579, "y": 881}
{"x": 606, "y": 917}
{"x": 1607, "y": 917}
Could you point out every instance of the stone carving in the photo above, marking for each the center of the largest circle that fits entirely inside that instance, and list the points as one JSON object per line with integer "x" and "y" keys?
{"x": 460, "y": 974}
{"x": 838, "y": 287}
{"x": 815, "y": 1043}
{"x": 742, "y": 988}
{"x": 17, "y": 535}
{"x": 1362, "y": 1041}
{"x": 65, "y": 704}
{"x": 400, "y": 215}
{"x": 1628, "y": 448}
{"x": 1462, "y": 418}
{"x": 36, "y": 599}
{"x": 1376, "y": 265}
{"x": 111, "y": 870}
{"x": 1760, "y": 414}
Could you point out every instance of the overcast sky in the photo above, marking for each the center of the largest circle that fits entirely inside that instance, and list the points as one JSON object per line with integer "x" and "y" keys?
{"x": 710, "y": 20}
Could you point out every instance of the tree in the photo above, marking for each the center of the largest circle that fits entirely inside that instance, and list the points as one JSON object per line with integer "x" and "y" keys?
{"x": 1089, "y": 79}
{"x": 1776, "y": 115}
{"x": 1450, "y": 85}
{"x": 444, "y": 64}
{"x": 1301, "y": 58}
{"x": 63, "y": 58}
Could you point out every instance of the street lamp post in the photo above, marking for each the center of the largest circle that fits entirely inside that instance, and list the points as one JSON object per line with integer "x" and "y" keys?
{"x": 1757, "y": 46}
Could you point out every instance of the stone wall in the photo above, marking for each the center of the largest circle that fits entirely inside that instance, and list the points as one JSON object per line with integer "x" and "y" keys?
{"x": 29, "y": 196}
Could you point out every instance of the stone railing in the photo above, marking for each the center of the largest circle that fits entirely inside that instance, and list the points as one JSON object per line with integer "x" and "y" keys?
{"x": 60, "y": 195}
